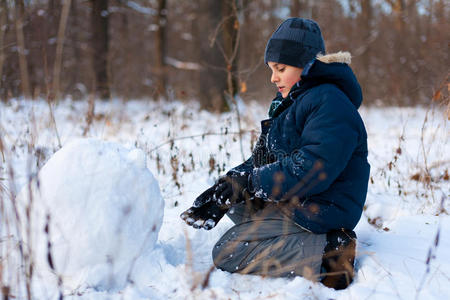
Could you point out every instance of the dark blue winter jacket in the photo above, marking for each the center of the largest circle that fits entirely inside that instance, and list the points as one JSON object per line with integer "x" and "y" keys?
{"x": 317, "y": 146}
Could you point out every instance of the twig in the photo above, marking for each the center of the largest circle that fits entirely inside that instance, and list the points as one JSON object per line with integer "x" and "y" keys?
{"x": 189, "y": 256}
{"x": 238, "y": 31}
{"x": 52, "y": 116}
{"x": 213, "y": 38}
{"x": 50, "y": 95}
{"x": 170, "y": 141}
{"x": 238, "y": 115}
{"x": 437, "y": 94}
{"x": 1, "y": 148}
{"x": 230, "y": 61}
{"x": 7, "y": 46}
{"x": 205, "y": 282}
{"x": 431, "y": 251}
{"x": 427, "y": 180}
{"x": 90, "y": 114}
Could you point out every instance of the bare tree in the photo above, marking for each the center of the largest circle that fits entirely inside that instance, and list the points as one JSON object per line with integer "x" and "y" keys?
{"x": 100, "y": 46}
{"x": 218, "y": 54}
{"x": 59, "y": 48}
{"x": 3, "y": 29}
{"x": 231, "y": 31}
{"x": 212, "y": 79}
{"x": 25, "y": 82}
{"x": 398, "y": 7}
{"x": 75, "y": 39}
{"x": 365, "y": 21}
{"x": 54, "y": 7}
{"x": 160, "y": 49}
{"x": 300, "y": 8}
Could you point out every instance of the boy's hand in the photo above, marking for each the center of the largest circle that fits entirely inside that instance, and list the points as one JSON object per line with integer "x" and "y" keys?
{"x": 206, "y": 216}
{"x": 233, "y": 189}
{"x": 205, "y": 212}
{"x": 205, "y": 197}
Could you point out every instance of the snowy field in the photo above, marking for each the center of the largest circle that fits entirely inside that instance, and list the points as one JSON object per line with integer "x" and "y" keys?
{"x": 403, "y": 236}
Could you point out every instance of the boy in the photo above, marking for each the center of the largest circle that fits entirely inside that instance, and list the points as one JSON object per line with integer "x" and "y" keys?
{"x": 296, "y": 200}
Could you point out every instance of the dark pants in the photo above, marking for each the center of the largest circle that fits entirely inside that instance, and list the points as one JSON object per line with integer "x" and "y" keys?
{"x": 266, "y": 241}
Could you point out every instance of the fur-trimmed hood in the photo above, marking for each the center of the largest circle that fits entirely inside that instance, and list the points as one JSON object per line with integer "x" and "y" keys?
{"x": 339, "y": 57}
{"x": 333, "y": 68}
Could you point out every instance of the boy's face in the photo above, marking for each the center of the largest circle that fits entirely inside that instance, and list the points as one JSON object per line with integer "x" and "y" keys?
{"x": 284, "y": 76}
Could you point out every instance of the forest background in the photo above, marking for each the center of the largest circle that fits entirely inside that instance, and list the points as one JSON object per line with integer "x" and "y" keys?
{"x": 212, "y": 50}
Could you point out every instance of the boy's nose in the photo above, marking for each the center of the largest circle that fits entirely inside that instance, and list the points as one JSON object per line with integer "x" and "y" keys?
{"x": 274, "y": 78}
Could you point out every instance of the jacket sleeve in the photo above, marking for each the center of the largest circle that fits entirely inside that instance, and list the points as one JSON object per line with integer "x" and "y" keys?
{"x": 246, "y": 166}
{"x": 328, "y": 139}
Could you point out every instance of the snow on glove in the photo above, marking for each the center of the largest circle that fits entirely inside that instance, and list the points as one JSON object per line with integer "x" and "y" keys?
{"x": 205, "y": 213}
{"x": 207, "y": 195}
{"x": 234, "y": 189}
{"x": 206, "y": 216}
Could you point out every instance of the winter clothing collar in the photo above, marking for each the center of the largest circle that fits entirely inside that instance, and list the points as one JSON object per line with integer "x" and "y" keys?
{"x": 332, "y": 68}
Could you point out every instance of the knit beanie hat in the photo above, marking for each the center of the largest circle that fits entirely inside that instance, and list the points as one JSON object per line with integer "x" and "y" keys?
{"x": 295, "y": 42}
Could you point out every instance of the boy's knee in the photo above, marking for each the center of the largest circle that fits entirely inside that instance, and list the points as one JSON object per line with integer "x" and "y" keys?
{"x": 275, "y": 255}
{"x": 227, "y": 253}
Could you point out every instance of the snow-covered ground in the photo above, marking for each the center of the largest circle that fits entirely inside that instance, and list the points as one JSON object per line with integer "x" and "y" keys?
{"x": 403, "y": 235}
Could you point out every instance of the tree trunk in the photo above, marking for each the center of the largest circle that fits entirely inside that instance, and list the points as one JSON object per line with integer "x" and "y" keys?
{"x": 160, "y": 50}
{"x": 23, "y": 64}
{"x": 59, "y": 48}
{"x": 365, "y": 25}
{"x": 399, "y": 7}
{"x": 315, "y": 10}
{"x": 54, "y": 7}
{"x": 300, "y": 8}
{"x": 75, "y": 24}
{"x": 3, "y": 29}
{"x": 212, "y": 82}
{"x": 230, "y": 44}
{"x": 126, "y": 54}
{"x": 100, "y": 46}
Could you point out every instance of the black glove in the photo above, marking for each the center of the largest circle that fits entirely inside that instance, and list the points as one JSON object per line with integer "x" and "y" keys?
{"x": 205, "y": 212}
{"x": 206, "y": 216}
{"x": 235, "y": 188}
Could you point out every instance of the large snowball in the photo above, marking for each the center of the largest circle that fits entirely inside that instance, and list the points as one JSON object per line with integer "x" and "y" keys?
{"x": 104, "y": 209}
